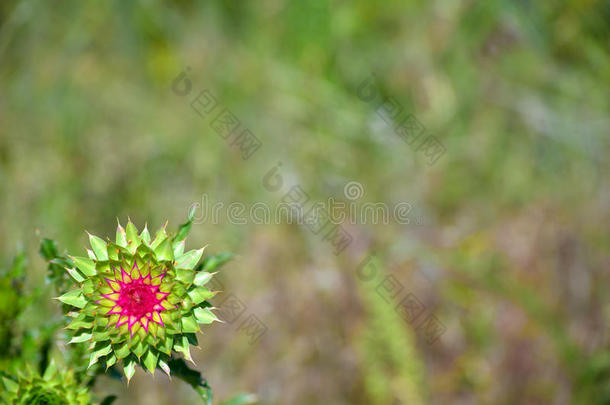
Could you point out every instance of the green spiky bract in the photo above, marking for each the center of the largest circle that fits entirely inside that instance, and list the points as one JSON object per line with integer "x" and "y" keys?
{"x": 55, "y": 387}
{"x": 118, "y": 276}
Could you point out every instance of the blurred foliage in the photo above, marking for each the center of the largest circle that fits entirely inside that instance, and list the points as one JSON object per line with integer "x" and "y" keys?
{"x": 11, "y": 306}
{"x": 394, "y": 373}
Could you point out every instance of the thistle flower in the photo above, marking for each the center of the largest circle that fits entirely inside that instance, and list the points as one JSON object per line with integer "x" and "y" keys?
{"x": 138, "y": 300}
{"x": 53, "y": 388}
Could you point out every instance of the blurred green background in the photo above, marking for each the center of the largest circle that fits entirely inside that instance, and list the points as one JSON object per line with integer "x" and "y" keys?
{"x": 508, "y": 242}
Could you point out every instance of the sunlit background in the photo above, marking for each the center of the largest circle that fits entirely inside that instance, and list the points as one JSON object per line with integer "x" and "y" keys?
{"x": 506, "y": 240}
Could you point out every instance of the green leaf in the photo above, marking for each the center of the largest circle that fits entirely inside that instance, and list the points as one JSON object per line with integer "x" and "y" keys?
{"x": 74, "y": 298}
{"x": 84, "y": 264}
{"x": 189, "y": 324}
{"x": 179, "y": 248}
{"x": 205, "y": 315}
{"x": 145, "y": 235}
{"x": 215, "y": 261}
{"x": 159, "y": 236}
{"x": 99, "y": 352}
{"x": 182, "y": 345}
{"x": 139, "y": 349}
{"x": 75, "y": 274}
{"x": 114, "y": 250}
{"x": 129, "y": 367}
{"x": 121, "y": 236}
{"x": 205, "y": 393}
{"x": 164, "y": 251}
{"x": 83, "y": 337}
{"x": 150, "y": 360}
{"x": 189, "y": 260}
{"x": 122, "y": 351}
{"x": 133, "y": 240}
{"x": 200, "y": 294}
{"x": 110, "y": 361}
{"x": 88, "y": 287}
{"x": 166, "y": 345}
{"x": 99, "y": 247}
{"x": 48, "y": 249}
{"x": 184, "y": 275}
{"x": 100, "y": 336}
{"x": 80, "y": 323}
{"x": 185, "y": 228}
{"x": 202, "y": 277}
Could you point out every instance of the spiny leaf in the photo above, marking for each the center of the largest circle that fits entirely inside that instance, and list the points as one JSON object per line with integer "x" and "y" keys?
{"x": 189, "y": 260}
{"x": 200, "y": 294}
{"x": 102, "y": 351}
{"x": 84, "y": 264}
{"x": 202, "y": 277}
{"x": 122, "y": 351}
{"x": 185, "y": 228}
{"x": 185, "y": 275}
{"x": 205, "y": 315}
{"x": 150, "y": 360}
{"x": 189, "y": 324}
{"x": 159, "y": 237}
{"x": 99, "y": 247}
{"x": 179, "y": 248}
{"x": 81, "y": 338}
{"x": 129, "y": 368}
{"x": 145, "y": 235}
{"x": 133, "y": 240}
{"x": 182, "y": 345}
{"x": 75, "y": 274}
{"x": 74, "y": 298}
{"x": 121, "y": 236}
{"x": 164, "y": 251}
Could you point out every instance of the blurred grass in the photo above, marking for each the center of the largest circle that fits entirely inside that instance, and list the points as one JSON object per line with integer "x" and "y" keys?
{"x": 515, "y": 247}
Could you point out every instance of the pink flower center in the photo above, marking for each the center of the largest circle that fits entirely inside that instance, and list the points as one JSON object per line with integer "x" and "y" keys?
{"x": 136, "y": 300}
